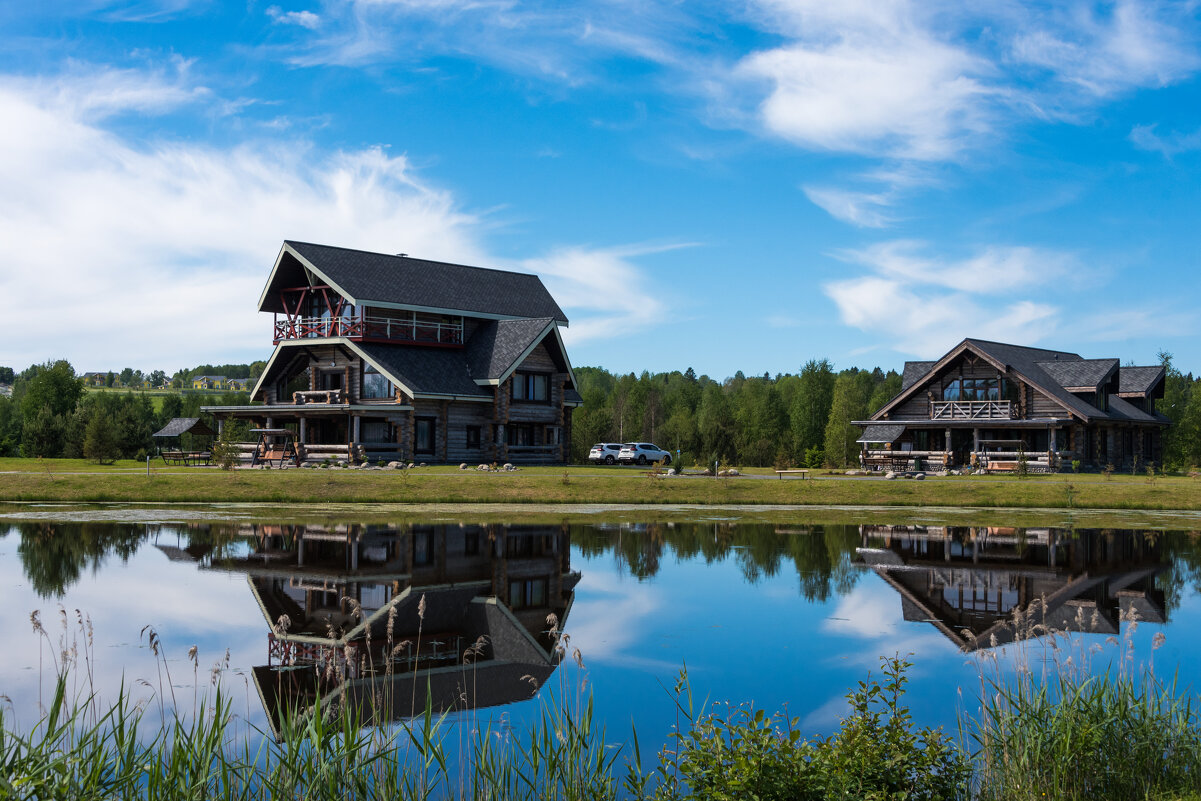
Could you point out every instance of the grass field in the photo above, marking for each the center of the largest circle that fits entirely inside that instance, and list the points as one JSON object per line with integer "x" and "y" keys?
{"x": 81, "y": 481}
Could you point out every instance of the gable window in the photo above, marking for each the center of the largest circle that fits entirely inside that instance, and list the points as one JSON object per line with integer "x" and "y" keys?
{"x": 376, "y": 385}
{"x": 423, "y": 434}
{"x": 473, "y": 437}
{"x": 976, "y": 389}
{"x": 532, "y": 387}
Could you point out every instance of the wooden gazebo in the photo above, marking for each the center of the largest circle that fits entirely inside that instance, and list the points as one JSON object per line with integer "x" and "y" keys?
{"x": 175, "y": 430}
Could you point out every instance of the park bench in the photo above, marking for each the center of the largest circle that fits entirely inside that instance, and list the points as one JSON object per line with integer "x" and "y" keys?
{"x": 803, "y": 472}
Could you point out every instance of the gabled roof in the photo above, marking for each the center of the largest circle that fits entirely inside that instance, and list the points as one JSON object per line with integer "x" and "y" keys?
{"x": 424, "y": 371}
{"x": 498, "y": 345}
{"x": 181, "y": 425}
{"x": 1084, "y": 375}
{"x": 1139, "y": 380}
{"x": 1054, "y": 373}
{"x": 402, "y": 282}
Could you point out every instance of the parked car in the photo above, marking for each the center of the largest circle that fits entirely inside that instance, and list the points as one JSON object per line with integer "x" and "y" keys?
{"x": 642, "y": 453}
{"x": 604, "y": 452}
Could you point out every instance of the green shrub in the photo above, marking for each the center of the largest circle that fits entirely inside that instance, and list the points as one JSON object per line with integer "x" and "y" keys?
{"x": 877, "y": 753}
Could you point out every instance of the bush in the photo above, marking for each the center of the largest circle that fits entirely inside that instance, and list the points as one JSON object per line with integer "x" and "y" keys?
{"x": 876, "y": 754}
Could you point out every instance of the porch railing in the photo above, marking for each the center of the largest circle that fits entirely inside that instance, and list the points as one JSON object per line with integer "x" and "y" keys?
{"x": 971, "y": 410}
{"x": 363, "y": 327}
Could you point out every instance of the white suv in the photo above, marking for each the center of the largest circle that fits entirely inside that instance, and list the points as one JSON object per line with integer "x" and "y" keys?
{"x": 604, "y": 452}
{"x": 642, "y": 453}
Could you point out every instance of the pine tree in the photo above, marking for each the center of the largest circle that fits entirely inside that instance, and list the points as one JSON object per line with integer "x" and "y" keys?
{"x": 100, "y": 439}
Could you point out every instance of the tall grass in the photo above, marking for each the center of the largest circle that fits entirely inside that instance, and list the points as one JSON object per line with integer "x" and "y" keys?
{"x": 1072, "y": 733}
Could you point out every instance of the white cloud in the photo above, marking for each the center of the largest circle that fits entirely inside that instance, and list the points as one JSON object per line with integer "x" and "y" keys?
{"x": 152, "y": 255}
{"x": 941, "y": 299}
{"x": 605, "y": 285}
{"x": 863, "y": 81}
{"x": 864, "y": 209}
{"x": 1112, "y": 47}
{"x": 305, "y": 19}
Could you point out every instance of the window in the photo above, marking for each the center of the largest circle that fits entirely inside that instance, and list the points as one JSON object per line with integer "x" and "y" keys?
{"x": 376, "y": 431}
{"x": 532, "y": 387}
{"x": 423, "y": 434}
{"x": 376, "y": 386}
{"x": 473, "y": 437}
{"x": 975, "y": 389}
{"x": 522, "y": 434}
{"x": 527, "y": 593}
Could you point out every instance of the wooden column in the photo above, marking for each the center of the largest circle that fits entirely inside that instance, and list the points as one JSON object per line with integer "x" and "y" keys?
{"x": 355, "y": 437}
{"x": 303, "y": 429}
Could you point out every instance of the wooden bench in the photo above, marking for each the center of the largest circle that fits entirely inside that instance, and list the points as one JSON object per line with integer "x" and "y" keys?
{"x": 172, "y": 457}
{"x": 802, "y": 471}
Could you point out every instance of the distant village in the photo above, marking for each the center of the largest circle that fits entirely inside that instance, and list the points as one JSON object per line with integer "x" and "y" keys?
{"x": 182, "y": 380}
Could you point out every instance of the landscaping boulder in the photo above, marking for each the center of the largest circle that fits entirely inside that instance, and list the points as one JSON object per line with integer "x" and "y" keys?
{"x": 463, "y": 466}
{"x": 919, "y": 476}
{"x": 395, "y": 465}
{"x": 508, "y": 466}
{"x": 890, "y": 475}
{"x": 483, "y": 467}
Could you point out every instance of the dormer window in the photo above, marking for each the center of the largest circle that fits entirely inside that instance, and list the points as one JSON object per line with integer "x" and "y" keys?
{"x": 376, "y": 386}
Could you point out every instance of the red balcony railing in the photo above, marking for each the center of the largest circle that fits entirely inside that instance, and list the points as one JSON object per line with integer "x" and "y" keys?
{"x": 369, "y": 328}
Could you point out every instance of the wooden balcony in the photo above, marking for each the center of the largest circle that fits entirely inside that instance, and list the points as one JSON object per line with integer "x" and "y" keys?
{"x": 971, "y": 410}
{"x": 364, "y": 328}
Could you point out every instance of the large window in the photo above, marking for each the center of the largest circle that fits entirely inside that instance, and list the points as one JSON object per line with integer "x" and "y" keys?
{"x": 533, "y": 387}
{"x": 423, "y": 434}
{"x": 976, "y": 389}
{"x": 376, "y": 385}
{"x": 473, "y": 437}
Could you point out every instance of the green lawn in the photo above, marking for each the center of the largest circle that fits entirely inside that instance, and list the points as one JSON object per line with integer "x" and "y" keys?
{"x": 81, "y": 481}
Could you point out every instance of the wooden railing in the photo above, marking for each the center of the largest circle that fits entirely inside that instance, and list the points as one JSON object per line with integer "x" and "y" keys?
{"x": 971, "y": 410}
{"x": 363, "y": 327}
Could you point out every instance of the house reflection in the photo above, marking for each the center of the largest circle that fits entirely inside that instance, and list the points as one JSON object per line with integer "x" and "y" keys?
{"x": 989, "y": 586}
{"x": 388, "y": 618}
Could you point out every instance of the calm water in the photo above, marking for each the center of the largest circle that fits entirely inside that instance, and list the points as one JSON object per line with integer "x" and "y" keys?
{"x": 782, "y": 615}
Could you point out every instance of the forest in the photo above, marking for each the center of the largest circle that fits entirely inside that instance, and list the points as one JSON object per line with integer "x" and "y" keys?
{"x": 790, "y": 419}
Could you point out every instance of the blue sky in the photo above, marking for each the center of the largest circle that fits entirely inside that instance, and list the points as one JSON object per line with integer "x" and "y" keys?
{"x": 718, "y": 185}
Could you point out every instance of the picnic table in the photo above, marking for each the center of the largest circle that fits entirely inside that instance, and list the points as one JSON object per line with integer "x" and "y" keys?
{"x": 186, "y": 458}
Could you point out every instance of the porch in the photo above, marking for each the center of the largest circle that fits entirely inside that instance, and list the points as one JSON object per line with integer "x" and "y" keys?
{"x": 1036, "y": 446}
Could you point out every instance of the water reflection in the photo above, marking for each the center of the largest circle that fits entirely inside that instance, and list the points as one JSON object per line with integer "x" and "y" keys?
{"x": 333, "y": 603}
{"x": 392, "y": 618}
{"x": 988, "y": 586}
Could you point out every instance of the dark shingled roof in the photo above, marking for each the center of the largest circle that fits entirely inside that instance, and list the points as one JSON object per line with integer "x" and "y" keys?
{"x": 1028, "y": 361}
{"x": 1138, "y": 379}
{"x": 497, "y": 344}
{"x": 406, "y": 281}
{"x": 181, "y": 425}
{"x": 888, "y": 432}
{"x": 1083, "y": 373}
{"x": 914, "y": 371}
{"x": 433, "y": 371}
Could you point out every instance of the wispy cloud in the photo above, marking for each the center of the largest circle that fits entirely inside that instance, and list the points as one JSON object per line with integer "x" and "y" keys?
{"x": 940, "y": 298}
{"x": 609, "y": 291}
{"x": 1145, "y": 137}
{"x": 305, "y": 19}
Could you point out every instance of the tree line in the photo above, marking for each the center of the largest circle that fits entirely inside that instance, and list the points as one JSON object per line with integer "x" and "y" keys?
{"x": 788, "y": 419}
{"x": 51, "y": 414}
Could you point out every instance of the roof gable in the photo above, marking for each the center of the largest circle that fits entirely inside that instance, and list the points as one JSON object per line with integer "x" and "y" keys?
{"x": 379, "y": 279}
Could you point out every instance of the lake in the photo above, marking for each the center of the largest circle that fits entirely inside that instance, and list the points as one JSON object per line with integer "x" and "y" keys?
{"x": 787, "y": 615}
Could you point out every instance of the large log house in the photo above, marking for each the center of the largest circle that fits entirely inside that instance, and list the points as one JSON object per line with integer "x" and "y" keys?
{"x": 391, "y": 357}
{"x": 989, "y": 404}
